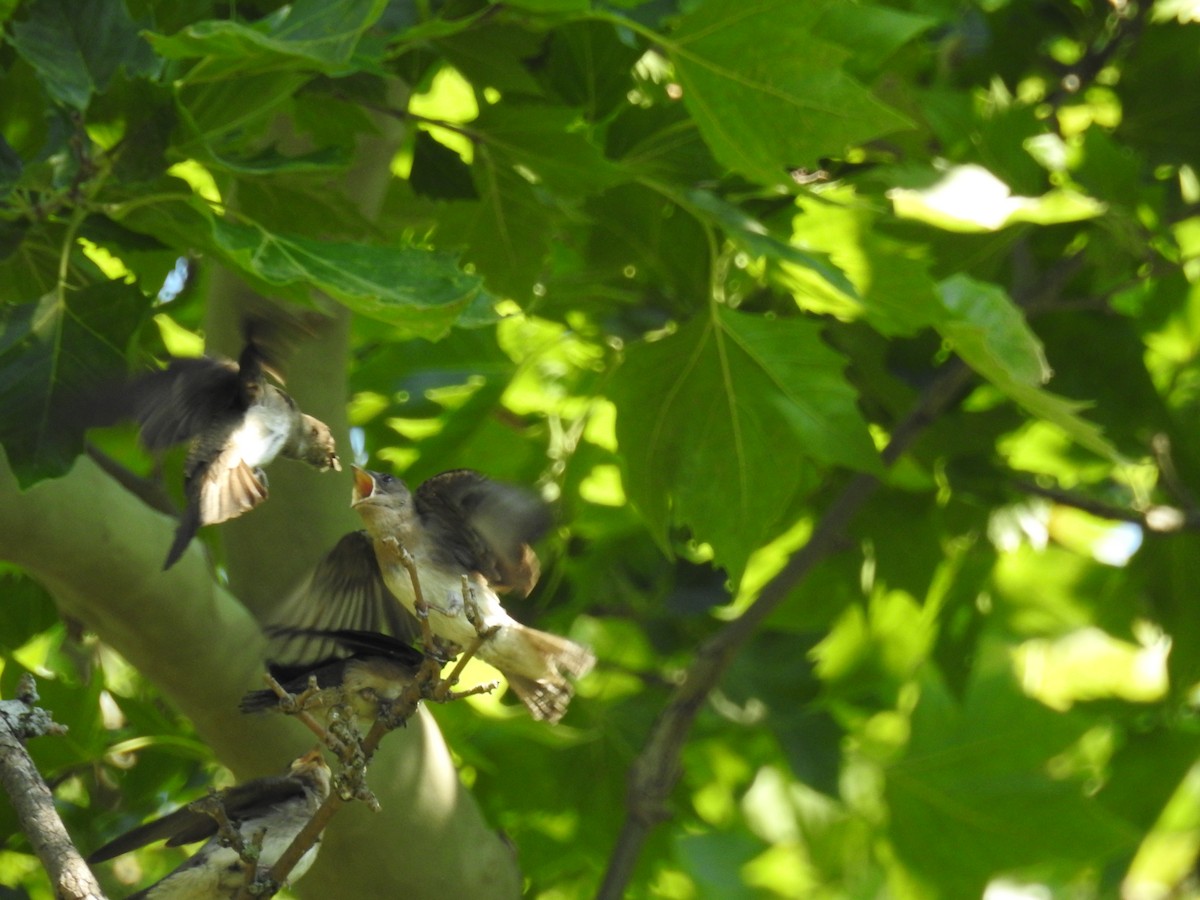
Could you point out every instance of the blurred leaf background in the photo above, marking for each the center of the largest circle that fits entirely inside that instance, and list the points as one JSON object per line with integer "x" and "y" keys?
{"x": 682, "y": 266}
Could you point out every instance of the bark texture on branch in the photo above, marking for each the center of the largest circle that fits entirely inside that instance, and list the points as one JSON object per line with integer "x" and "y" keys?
{"x": 31, "y": 798}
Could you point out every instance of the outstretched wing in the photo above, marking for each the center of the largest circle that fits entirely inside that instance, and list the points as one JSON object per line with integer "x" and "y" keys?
{"x": 345, "y": 593}
{"x": 483, "y": 526}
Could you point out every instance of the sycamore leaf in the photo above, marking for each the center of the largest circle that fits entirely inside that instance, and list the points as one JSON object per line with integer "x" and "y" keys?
{"x": 546, "y": 145}
{"x": 77, "y": 46}
{"x": 421, "y": 291}
{"x": 976, "y": 792}
{"x": 723, "y": 422}
{"x": 893, "y": 288}
{"x": 768, "y": 94}
{"x": 505, "y": 234}
{"x": 51, "y": 351}
{"x": 755, "y": 237}
{"x": 988, "y": 332}
{"x": 307, "y": 34}
{"x": 871, "y": 33}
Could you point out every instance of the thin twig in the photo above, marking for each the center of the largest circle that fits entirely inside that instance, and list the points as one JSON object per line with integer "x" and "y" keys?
{"x": 31, "y": 798}
{"x": 656, "y": 770}
{"x": 293, "y": 705}
{"x": 1160, "y": 518}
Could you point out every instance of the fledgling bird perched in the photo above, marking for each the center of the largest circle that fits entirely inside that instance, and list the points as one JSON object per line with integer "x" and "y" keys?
{"x": 237, "y": 422}
{"x": 370, "y": 668}
{"x": 280, "y": 805}
{"x": 456, "y": 524}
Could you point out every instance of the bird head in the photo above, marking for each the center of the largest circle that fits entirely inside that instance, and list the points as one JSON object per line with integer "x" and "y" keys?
{"x": 312, "y": 769}
{"x": 320, "y": 449}
{"x": 384, "y": 501}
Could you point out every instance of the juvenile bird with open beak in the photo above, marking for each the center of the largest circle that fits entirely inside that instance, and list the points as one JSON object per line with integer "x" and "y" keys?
{"x": 459, "y": 529}
{"x": 237, "y": 421}
{"x": 279, "y": 805}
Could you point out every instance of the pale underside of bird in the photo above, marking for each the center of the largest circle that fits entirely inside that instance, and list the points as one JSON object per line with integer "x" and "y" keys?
{"x": 468, "y": 538}
{"x": 235, "y": 420}
{"x": 277, "y": 806}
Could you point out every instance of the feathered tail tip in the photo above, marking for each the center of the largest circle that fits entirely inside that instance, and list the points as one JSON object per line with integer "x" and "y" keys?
{"x": 548, "y": 696}
{"x": 258, "y": 701}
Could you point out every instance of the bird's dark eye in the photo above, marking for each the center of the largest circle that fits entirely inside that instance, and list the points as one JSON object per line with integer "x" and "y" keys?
{"x": 386, "y": 479}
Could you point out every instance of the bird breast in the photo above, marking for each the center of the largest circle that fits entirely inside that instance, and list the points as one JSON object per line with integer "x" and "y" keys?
{"x": 262, "y": 434}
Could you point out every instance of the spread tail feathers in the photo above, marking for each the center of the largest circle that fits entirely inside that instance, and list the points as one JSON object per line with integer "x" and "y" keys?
{"x": 544, "y": 663}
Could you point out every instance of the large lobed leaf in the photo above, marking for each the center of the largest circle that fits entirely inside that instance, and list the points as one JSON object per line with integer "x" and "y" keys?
{"x": 767, "y": 92}
{"x": 722, "y": 423}
{"x": 977, "y": 793}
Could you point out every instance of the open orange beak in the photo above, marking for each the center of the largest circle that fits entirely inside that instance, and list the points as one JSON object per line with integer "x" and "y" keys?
{"x": 364, "y": 485}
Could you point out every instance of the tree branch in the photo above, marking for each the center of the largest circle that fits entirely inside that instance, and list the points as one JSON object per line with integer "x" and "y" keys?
{"x": 32, "y": 800}
{"x": 1159, "y": 517}
{"x": 656, "y": 770}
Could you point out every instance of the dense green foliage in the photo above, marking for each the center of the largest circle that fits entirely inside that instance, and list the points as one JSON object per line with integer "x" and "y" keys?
{"x": 686, "y": 266}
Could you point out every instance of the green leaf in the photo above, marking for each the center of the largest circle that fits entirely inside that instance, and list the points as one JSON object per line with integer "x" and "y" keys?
{"x": 768, "y": 94}
{"x": 309, "y": 34}
{"x": 987, "y": 330}
{"x": 231, "y": 109}
{"x": 271, "y": 162}
{"x": 706, "y": 415}
{"x": 1159, "y": 116}
{"x": 506, "y": 234}
{"x": 546, "y": 145}
{"x": 640, "y": 237}
{"x": 551, "y": 6}
{"x": 588, "y": 66}
{"x": 51, "y": 352}
{"x": 976, "y": 795}
{"x": 871, "y": 33}
{"x": 77, "y": 46}
{"x": 755, "y": 237}
{"x": 420, "y": 291}
{"x": 971, "y": 199}
{"x": 10, "y": 168}
{"x": 893, "y": 288}
{"x": 27, "y": 609}
{"x": 494, "y": 54}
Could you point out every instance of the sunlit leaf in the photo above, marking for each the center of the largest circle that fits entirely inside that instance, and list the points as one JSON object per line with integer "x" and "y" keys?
{"x": 985, "y": 328}
{"x": 51, "y": 352}
{"x": 970, "y": 198}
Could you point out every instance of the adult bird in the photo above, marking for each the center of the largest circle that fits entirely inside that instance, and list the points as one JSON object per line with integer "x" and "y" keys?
{"x": 236, "y": 420}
